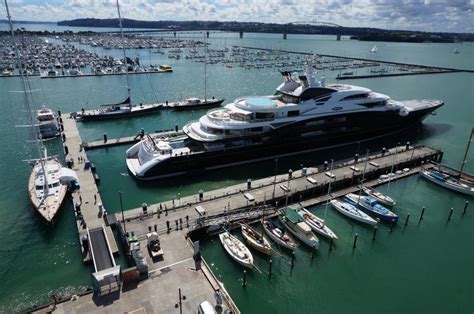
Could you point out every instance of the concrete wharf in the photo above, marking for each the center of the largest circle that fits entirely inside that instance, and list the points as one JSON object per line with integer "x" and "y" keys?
{"x": 308, "y": 185}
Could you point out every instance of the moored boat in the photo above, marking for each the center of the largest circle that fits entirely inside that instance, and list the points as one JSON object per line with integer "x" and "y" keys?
{"x": 47, "y": 123}
{"x": 196, "y": 103}
{"x": 448, "y": 181}
{"x": 236, "y": 249}
{"x": 256, "y": 239}
{"x": 352, "y": 212}
{"x": 316, "y": 224}
{"x": 381, "y": 198}
{"x": 296, "y": 225}
{"x": 371, "y": 207}
{"x": 278, "y": 235}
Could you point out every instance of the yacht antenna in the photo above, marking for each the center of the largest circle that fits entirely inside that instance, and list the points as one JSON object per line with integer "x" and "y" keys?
{"x": 124, "y": 55}
{"x": 464, "y": 160}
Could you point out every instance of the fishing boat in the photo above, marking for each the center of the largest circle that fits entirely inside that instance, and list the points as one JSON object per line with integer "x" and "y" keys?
{"x": 316, "y": 224}
{"x": 371, "y": 206}
{"x": 352, "y": 212}
{"x": 236, "y": 249}
{"x": 296, "y": 225}
{"x": 256, "y": 239}
{"x": 381, "y": 198}
{"x": 450, "y": 178}
{"x": 278, "y": 235}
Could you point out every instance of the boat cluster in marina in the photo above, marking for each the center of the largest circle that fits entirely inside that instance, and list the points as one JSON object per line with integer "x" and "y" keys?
{"x": 114, "y": 41}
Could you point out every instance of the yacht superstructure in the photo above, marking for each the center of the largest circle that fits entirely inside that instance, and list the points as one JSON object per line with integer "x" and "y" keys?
{"x": 305, "y": 114}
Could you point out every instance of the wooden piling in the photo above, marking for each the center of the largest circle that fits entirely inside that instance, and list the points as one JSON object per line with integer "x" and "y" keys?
{"x": 355, "y": 241}
{"x": 422, "y": 213}
{"x": 375, "y": 233}
{"x": 450, "y": 213}
{"x": 465, "y": 207}
{"x": 244, "y": 279}
{"x": 406, "y": 220}
{"x": 269, "y": 268}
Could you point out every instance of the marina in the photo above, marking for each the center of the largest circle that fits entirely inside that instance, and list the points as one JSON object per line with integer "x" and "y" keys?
{"x": 342, "y": 187}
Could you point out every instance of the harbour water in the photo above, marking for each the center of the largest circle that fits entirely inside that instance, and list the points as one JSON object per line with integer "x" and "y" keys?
{"x": 423, "y": 267}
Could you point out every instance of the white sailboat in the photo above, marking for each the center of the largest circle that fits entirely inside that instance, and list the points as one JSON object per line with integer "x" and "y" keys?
{"x": 374, "y": 49}
{"x": 46, "y": 190}
{"x": 236, "y": 249}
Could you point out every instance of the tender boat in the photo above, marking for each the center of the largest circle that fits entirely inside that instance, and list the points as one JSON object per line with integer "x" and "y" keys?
{"x": 371, "y": 206}
{"x": 352, "y": 212}
{"x": 381, "y": 198}
{"x": 316, "y": 223}
{"x": 256, "y": 240}
{"x": 278, "y": 235}
{"x": 236, "y": 249}
{"x": 296, "y": 225}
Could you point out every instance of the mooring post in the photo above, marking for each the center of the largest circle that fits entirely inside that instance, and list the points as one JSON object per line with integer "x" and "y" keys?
{"x": 105, "y": 137}
{"x": 391, "y": 225}
{"x": 244, "y": 279}
{"x": 167, "y": 226}
{"x": 465, "y": 207}
{"x": 355, "y": 241}
{"x": 187, "y": 221}
{"x": 292, "y": 259}
{"x": 375, "y": 233}
{"x": 450, "y": 213}
{"x": 269, "y": 268}
{"x": 312, "y": 255}
{"x": 408, "y": 218}
{"x": 330, "y": 244}
{"x": 422, "y": 213}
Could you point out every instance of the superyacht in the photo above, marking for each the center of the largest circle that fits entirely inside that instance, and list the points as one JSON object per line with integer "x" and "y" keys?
{"x": 305, "y": 114}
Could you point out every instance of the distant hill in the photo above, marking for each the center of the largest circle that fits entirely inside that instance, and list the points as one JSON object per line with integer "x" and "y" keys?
{"x": 360, "y": 33}
{"x": 27, "y": 22}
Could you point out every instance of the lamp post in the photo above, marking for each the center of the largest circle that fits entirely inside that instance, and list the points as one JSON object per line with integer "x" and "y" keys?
{"x": 121, "y": 209}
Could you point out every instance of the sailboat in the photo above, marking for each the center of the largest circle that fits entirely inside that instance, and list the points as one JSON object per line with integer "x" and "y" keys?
{"x": 46, "y": 185}
{"x": 236, "y": 249}
{"x": 456, "y": 51}
{"x": 450, "y": 178}
{"x": 374, "y": 49}
{"x": 125, "y": 109}
{"x": 197, "y": 103}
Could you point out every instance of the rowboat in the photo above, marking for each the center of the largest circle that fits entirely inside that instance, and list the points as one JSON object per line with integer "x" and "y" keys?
{"x": 381, "y": 198}
{"x": 296, "y": 225}
{"x": 256, "y": 240}
{"x": 279, "y": 236}
{"x": 352, "y": 212}
{"x": 236, "y": 249}
{"x": 371, "y": 207}
{"x": 316, "y": 224}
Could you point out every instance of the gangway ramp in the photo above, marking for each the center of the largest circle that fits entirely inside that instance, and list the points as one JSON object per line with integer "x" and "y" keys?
{"x": 107, "y": 274}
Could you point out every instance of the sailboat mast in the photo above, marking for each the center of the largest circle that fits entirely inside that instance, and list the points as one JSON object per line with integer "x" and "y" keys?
{"x": 329, "y": 193}
{"x": 391, "y": 169}
{"x": 465, "y": 154}
{"x": 27, "y": 100}
{"x": 205, "y": 66}
{"x": 124, "y": 55}
{"x": 363, "y": 176}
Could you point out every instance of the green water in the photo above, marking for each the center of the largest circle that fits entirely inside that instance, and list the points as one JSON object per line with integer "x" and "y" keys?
{"x": 420, "y": 268}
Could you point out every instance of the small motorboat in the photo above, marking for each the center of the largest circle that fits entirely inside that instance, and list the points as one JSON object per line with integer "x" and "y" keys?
{"x": 371, "y": 207}
{"x": 278, "y": 235}
{"x": 256, "y": 239}
{"x": 236, "y": 249}
{"x": 316, "y": 223}
{"x": 352, "y": 212}
{"x": 300, "y": 229}
{"x": 381, "y": 198}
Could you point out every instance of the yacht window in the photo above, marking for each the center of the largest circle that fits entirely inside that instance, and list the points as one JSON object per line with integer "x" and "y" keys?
{"x": 239, "y": 116}
{"x": 293, "y": 113}
{"x": 289, "y": 99}
{"x": 257, "y": 129}
{"x": 357, "y": 96}
{"x": 311, "y": 93}
{"x": 375, "y": 104}
{"x": 264, "y": 115}
{"x": 323, "y": 99}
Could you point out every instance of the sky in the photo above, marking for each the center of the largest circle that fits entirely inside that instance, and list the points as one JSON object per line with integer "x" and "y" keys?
{"x": 420, "y": 15}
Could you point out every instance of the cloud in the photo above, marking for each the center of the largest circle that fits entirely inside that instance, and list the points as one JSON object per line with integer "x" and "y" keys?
{"x": 428, "y": 15}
